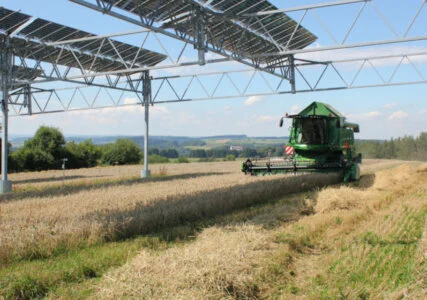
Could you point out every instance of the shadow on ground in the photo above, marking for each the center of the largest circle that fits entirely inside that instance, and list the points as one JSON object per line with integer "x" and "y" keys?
{"x": 202, "y": 209}
{"x": 92, "y": 183}
{"x": 51, "y": 179}
{"x": 366, "y": 181}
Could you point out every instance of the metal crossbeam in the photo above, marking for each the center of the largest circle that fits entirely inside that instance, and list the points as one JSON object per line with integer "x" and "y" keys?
{"x": 346, "y": 74}
{"x": 363, "y": 6}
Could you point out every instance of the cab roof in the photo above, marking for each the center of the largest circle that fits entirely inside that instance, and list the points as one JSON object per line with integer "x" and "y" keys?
{"x": 320, "y": 109}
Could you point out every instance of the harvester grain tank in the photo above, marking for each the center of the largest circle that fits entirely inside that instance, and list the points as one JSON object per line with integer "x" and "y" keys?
{"x": 320, "y": 140}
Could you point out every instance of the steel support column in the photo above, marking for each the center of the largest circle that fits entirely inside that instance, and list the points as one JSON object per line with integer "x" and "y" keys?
{"x": 200, "y": 34}
{"x": 146, "y": 83}
{"x": 292, "y": 73}
{"x": 5, "y": 83}
{"x": 27, "y": 99}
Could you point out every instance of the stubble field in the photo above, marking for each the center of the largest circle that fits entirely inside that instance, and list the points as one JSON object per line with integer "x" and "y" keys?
{"x": 204, "y": 230}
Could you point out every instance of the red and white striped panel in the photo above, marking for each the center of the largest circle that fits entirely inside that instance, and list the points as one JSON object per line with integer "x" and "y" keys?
{"x": 289, "y": 150}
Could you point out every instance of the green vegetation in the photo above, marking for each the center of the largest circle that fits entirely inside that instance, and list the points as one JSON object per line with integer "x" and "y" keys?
{"x": 42, "y": 152}
{"x": 62, "y": 273}
{"x": 47, "y": 148}
{"x": 230, "y": 157}
{"x": 83, "y": 155}
{"x": 122, "y": 152}
{"x": 406, "y": 148}
{"x": 387, "y": 261}
{"x": 183, "y": 160}
{"x": 157, "y": 159}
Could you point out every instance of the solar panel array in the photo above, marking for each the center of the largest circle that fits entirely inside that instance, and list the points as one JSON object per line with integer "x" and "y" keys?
{"x": 278, "y": 26}
{"x": 32, "y": 42}
{"x": 228, "y": 22}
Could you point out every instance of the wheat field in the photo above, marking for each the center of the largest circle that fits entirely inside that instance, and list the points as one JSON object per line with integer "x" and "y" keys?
{"x": 301, "y": 245}
{"x": 234, "y": 261}
{"x": 47, "y": 215}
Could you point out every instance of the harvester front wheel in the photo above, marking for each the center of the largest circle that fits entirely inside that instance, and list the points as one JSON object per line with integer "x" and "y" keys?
{"x": 356, "y": 172}
{"x": 352, "y": 173}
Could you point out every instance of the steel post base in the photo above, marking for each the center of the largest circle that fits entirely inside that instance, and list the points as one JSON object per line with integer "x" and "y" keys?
{"x": 145, "y": 173}
{"x": 5, "y": 186}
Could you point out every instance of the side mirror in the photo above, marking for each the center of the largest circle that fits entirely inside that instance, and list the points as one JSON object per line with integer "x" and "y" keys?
{"x": 281, "y": 122}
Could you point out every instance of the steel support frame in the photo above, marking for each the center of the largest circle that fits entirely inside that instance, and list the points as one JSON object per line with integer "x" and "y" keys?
{"x": 52, "y": 71}
{"x": 214, "y": 45}
{"x": 210, "y": 87}
{"x": 278, "y": 62}
{"x": 146, "y": 80}
{"x": 6, "y": 63}
{"x": 343, "y": 44}
{"x": 300, "y": 67}
{"x": 25, "y": 99}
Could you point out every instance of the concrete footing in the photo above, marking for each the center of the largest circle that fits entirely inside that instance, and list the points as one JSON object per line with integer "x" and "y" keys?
{"x": 5, "y": 186}
{"x": 145, "y": 173}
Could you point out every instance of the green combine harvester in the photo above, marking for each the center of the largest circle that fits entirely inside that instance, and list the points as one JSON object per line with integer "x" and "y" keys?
{"x": 320, "y": 140}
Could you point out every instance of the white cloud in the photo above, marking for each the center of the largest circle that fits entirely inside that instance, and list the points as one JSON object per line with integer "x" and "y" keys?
{"x": 228, "y": 111}
{"x": 364, "y": 116}
{"x": 372, "y": 114}
{"x": 159, "y": 110}
{"x": 130, "y": 101}
{"x": 390, "y": 105}
{"x": 254, "y": 99}
{"x": 264, "y": 118}
{"x": 131, "y": 106}
{"x": 296, "y": 108}
{"x": 398, "y": 115}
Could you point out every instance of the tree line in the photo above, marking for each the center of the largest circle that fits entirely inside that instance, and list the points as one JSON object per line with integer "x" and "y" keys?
{"x": 48, "y": 147}
{"x": 223, "y": 152}
{"x": 406, "y": 148}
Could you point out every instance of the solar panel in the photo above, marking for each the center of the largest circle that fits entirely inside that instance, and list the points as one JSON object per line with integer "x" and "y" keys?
{"x": 227, "y": 22}
{"x": 279, "y": 26}
{"x": 32, "y": 42}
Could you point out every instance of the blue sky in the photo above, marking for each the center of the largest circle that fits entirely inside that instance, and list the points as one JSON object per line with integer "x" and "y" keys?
{"x": 381, "y": 112}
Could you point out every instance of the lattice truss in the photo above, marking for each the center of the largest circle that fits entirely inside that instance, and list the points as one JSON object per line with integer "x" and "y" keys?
{"x": 222, "y": 49}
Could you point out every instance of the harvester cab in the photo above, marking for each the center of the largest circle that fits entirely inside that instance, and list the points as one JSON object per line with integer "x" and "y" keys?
{"x": 320, "y": 140}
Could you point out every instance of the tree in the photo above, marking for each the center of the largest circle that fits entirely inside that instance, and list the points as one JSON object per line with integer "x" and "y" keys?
{"x": 169, "y": 153}
{"x": 198, "y": 153}
{"x": 248, "y": 152}
{"x": 219, "y": 152}
{"x": 43, "y": 152}
{"x": 152, "y": 151}
{"x": 123, "y": 151}
{"x": 83, "y": 155}
{"x": 422, "y": 146}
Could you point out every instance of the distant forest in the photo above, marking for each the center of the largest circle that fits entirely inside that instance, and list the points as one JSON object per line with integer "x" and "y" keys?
{"x": 406, "y": 148}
